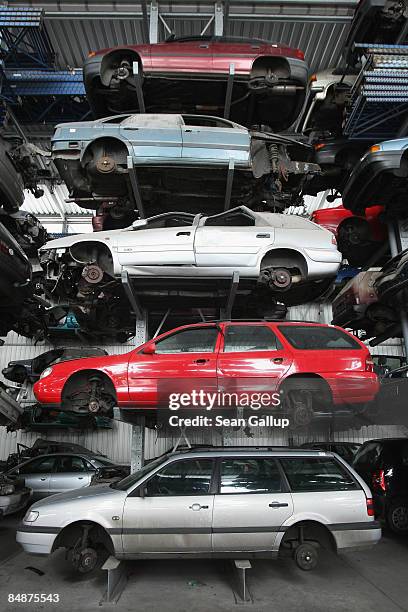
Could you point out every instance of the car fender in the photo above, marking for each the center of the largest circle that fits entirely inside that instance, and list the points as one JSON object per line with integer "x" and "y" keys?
{"x": 115, "y": 135}
{"x": 297, "y": 518}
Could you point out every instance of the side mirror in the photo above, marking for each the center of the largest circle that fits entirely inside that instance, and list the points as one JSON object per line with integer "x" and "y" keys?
{"x": 139, "y": 223}
{"x": 150, "y": 349}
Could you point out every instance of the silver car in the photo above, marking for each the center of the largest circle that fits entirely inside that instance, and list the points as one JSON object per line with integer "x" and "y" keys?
{"x": 59, "y": 472}
{"x": 212, "y": 503}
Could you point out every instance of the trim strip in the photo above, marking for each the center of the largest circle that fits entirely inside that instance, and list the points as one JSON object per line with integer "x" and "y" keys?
{"x": 38, "y": 529}
{"x": 354, "y": 526}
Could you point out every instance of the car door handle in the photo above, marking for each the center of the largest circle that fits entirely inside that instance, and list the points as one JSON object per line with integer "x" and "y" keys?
{"x": 196, "y": 507}
{"x": 263, "y": 235}
{"x": 43, "y": 479}
{"x": 201, "y": 360}
{"x": 276, "y": 504}
{"x": 277, "y": 360}
{"x": 80, "y": 477}
{"x": 183, "y": 234}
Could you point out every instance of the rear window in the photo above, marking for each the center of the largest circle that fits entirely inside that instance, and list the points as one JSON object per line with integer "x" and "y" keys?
{"x": 317, "y": 474}
{"x": 316, "y": 338}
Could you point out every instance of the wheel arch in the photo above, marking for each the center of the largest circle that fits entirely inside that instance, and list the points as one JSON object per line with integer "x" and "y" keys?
{"x": 84, "y": 375}
{"x": 73, "y": 531}
{"x": 118, "y": 144}
{"x": 116, "y": 55}
{"x": 283, "y": 257}
{"x": 103, "y": 254}
{"x": 309, "y": 376}
{"x": 313, "y": 529}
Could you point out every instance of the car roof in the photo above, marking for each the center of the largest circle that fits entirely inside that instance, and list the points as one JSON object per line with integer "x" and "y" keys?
{"x": 245, "y": 451}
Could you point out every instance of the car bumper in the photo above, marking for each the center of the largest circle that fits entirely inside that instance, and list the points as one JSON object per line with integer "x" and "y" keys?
{"x": 15, "y": 502}
{"x": 37, "y": 540}
{"x": 354, "y": 387}
{"x": 357, "y": 539}
{"x": 361, "y": 189}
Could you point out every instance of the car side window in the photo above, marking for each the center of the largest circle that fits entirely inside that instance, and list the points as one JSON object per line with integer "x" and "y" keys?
{"x": 250, "y": 338}
{"x": 199, "y": 340}
{"x": 39, "y": 466}
{"x": 317, "y": 474}
{"x": 70, "y": 463}
{"x": 187, "y": 477}
{"x": 248, "y": 475}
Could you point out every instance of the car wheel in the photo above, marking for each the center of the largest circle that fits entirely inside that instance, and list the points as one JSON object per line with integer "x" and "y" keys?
{"x": 85, "y": 560}
{"x": 306, "y": 557}
{"x": 397, "y": 516}
{"x": 298, "y": 405}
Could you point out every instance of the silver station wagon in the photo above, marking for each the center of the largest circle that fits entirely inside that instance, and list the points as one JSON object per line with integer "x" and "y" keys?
{"x": 239, "y": 503}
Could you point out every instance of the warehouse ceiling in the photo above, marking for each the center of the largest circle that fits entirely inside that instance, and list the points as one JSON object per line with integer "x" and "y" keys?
{"x": 317, "y": 27}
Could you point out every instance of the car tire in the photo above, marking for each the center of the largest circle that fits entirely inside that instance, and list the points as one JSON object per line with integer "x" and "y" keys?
{"x": 397, "y": 516}
{"x": 306, "y": 556}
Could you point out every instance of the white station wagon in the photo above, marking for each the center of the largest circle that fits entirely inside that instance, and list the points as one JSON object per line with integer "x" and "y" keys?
{"x": 270, "y": 249}
{"x": 251, "y": 502}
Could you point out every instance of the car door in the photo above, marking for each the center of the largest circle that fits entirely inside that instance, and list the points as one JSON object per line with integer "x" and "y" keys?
{"x": 231, "y": 240}
{"x": 175, "y": 513}
{"x": 164, "y": 246}
{"x": 251, "y": 359}
{"x": 37, "y": 474}
{"x": 251, "y": 506}
{"x": 218, "y": 143}
{"x": 71, "y": 472}
{"x": 182, "y": 361}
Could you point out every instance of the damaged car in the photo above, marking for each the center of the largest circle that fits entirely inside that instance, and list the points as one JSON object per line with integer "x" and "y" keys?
{"x": 181, "y": 256}
{"x": 26, "y": 229}
{"x": 381, "y": 176}
{"x": 357, "y": 307}
{"x": 358, "y": 237}
{"x": 14, "y": 495}
{"x": 30, "y": 370}
{"x": 254, "y": 82}
{"x": 153, "y": 163}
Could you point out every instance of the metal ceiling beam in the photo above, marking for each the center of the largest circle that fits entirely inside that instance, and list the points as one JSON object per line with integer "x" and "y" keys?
{"x": 117, "y": 16}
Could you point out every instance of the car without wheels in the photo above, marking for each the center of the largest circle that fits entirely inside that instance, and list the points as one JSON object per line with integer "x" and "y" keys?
{"x": 190, "y": 75}
{"x": 183, "y": 255}
{"x": 314, "y": 367}
{"x": 244, "y": 503}
{"x": 153, "y": 163}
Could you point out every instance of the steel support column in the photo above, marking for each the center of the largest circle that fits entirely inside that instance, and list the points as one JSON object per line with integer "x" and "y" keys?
{"x": 395, "y": 241}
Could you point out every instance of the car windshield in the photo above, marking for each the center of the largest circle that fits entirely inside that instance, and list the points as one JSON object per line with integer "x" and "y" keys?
{"x": 316, "y": 338}
{"x": 130, "y": 480}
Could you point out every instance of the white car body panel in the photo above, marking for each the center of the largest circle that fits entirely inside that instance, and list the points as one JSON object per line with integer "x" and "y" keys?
{"x": 214, "y": 250}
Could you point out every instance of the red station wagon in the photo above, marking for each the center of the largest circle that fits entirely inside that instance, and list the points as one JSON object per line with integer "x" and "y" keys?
{"x": 310, "y": 364}
{"x": 190, "y": 75}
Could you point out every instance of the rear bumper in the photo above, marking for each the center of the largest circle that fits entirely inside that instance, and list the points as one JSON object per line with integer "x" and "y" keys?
{"x": 39, "y": 540}
{"x": 354, "y": 387}
{"x": 356, "y": 539}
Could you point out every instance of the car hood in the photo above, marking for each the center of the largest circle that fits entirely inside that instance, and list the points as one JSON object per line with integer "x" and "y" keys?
{"x": 97, "y": 491}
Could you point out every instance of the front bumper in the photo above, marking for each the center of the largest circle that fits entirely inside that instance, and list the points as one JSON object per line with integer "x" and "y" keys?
{"x": 36, "y": 540}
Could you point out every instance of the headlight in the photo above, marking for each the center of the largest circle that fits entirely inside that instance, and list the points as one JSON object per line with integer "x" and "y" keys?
{"x": 7, "y": 489}
{"x": 45, "y": 373}
{"x": 31, "y": 516}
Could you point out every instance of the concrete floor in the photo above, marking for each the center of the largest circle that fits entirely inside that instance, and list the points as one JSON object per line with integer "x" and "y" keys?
{"x": 372, "y": 580}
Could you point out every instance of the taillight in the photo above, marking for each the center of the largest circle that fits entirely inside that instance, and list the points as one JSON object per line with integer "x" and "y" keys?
{"x": 378, "y": 481}
{"x": 370, "y": 506}
{"x": 319, "y": 145}
{"x": 334, "y": 241}
{"x": 300, "y": 54}
{"x": 369, "y": 364}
